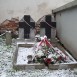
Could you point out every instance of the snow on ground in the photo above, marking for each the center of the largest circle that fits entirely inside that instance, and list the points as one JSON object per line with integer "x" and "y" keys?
{"x": 6, "y": 69}
{"x": 23, "y": 52}
{"x": 22, "y": 55}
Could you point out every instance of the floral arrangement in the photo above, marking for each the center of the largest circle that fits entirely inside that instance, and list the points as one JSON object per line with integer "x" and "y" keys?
{"x": 47, "y": 54}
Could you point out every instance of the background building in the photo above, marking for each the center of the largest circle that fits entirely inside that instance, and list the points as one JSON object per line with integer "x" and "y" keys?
{"x": 66, "y": 23}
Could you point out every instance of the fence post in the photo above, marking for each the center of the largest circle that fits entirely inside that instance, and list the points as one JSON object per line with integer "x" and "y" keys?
{"x": 8, "y": 38}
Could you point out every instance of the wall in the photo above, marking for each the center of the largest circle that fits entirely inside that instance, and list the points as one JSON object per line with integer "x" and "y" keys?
{"x": 36, "y": 8}
{"x": 67, "y": 29}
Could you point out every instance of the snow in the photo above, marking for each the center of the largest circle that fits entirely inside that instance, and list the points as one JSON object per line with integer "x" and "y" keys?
{"x": 24, "y": 52}
{"x": 3, "y": 74}
{"x": 22, "y": 55}
{"x": 25, "y": 42}
{"x": 6, "y": 68}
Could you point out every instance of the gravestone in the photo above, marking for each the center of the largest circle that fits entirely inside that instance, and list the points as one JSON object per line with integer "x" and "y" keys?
{"x": 21, "y": 33}
{"x": 32, "y": 34}
{"x": 8, "y": 38}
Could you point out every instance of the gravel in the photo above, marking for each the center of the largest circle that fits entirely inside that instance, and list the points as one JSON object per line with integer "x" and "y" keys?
{"x": 6, "y": 67}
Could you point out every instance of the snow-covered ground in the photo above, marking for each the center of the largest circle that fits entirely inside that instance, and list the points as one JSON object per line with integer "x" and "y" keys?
{"x": 6, "y": 69}
{"x": 22, "y": 55}
{"x": 23, "y": 52}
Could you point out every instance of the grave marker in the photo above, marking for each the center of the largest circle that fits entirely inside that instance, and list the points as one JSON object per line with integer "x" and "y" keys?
{"x": 8, "y": 38}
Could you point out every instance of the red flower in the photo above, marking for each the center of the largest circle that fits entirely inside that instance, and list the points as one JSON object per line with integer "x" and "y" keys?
{"x": 48, "y": 60}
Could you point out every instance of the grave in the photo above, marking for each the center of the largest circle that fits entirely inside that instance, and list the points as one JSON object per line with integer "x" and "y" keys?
{"x": 26, "y": 51}
{"x": 20, "y": 63}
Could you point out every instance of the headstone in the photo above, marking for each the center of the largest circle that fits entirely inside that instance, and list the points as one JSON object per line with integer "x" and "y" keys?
{"x": 21, "y": 33}
{"x": 8, "y": 38}
{"x": 32, "y": 34}
{"x": 53, "y": 32}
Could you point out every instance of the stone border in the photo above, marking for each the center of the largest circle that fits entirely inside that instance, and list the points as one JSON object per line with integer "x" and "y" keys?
{"x": 27, "y": 66}
{"x": 42, "y": 66}
{"x": 63, "y": 66}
